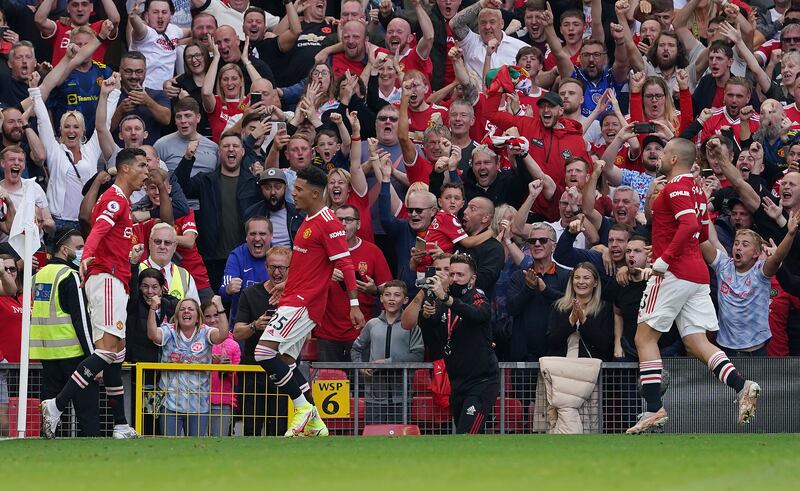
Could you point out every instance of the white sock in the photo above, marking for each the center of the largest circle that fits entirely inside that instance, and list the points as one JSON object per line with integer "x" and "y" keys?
{"x": 52, "y": 407}
{"x": 300, "y": 401}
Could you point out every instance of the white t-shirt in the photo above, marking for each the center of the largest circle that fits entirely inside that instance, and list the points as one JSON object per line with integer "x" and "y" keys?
{"x": 229, "y": 16}
{"x": 160, "y": 51}
{"x": 39, "y": 198}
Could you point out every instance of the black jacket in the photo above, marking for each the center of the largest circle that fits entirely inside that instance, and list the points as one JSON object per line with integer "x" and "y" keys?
{"x": 468, "y": 353}
{"x": 597, "y": 334}
{"x": 294, "y": 218}
{"x": 531, "y": 311}
{"x": 205, "y": 187}
{"x": 138, "y": 345}
{"x": 509, "y": 187}
{"x": 489, "y": 260}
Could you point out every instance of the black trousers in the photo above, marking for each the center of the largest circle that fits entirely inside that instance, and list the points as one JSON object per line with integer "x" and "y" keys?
{"x": 334, "y": 351}
{"x": 150, "y": 411}
{"x": 472, "y": 406}
{"x": 55, "y": 374}
{"x": 215, "y": 269}
{"x": 261, "y": 405}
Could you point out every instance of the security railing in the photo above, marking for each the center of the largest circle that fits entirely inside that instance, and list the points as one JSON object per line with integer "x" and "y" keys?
{"x": 180, "y": 399}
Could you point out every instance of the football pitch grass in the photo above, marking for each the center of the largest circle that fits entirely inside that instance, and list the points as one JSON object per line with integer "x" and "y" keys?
{"x": 590, "y": 462}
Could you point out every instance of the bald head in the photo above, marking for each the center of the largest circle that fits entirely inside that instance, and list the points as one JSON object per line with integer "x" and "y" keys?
{"x": 478, "y": 215}
{"x": 228, "y": 44}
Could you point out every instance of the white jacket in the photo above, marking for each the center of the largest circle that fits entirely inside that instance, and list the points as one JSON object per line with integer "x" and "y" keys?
{"x": 63, "y": 177}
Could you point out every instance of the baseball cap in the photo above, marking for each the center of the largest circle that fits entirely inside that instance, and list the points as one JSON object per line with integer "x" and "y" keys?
{"x": 272, "y": 175}
{"x": 652, "y": 139}
{"x": 552, "y": 98}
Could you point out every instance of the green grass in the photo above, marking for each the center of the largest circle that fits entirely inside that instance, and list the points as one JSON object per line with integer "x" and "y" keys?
{"x": 536, "y": 462}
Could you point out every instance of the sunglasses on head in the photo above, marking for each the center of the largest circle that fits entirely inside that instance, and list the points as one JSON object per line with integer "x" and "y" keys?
{"x": 538, "y": 240}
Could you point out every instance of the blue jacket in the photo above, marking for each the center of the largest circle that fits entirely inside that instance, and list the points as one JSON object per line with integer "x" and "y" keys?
{"x": 251, "y": 270}
{"x": 404, "y": 238}
{"x": 567, "y": 255}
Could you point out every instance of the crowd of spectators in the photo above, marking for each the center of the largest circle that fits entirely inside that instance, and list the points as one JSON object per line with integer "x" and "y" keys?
{"x": 526, "y": 135}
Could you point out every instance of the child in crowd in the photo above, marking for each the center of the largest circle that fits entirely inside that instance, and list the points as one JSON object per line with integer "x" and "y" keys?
{"x": 223, "y": 399}
{"x": 332, "y": 147}
{"x": 383, "y": 340}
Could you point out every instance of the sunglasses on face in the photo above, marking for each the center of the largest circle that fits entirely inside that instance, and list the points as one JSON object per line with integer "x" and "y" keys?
{"x": 393, "y": 119}
{"x": 538, "y": 240}
{"x": 418, "y": 211}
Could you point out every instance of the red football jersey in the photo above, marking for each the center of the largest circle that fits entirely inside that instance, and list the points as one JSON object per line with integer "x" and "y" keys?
{"x": 368, "y": 261}
{"x": 319, "y": 247}
{"x": 340, "y": 64}
{"x": 449, "y": 72}
{"x": 681, "y": 200}
{"x": 111, "y": 248}
{"x": 419, "y": 170}
{"x": 793, "y": 114}
{"x": 412, "y": 61}
{"x": 418, "y": 120}
{"x": 60, "y": 41}
{"x": 722, "y": 118}
{"x": 445, "y": 231}
{"x": 362, "y": 203}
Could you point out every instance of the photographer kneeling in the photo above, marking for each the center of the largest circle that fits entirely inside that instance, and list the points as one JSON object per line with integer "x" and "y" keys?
{"x": 463, "y": 314}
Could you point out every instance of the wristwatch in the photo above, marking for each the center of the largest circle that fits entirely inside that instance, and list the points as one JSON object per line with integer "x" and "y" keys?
{"x": 446, "y": 298}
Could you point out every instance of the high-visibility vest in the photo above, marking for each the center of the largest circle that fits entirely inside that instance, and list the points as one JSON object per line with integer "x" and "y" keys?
{"x": 53, "y": 336}
{"x": 179, "y": 282}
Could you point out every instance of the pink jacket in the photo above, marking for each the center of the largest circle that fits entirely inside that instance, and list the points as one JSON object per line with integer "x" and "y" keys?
{"x": 222, "y": 387}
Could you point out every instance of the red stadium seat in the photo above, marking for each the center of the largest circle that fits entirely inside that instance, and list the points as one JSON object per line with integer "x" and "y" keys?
{"x": 33, "y": 424}
{"x": 309, "y": 351}
{"x": 421, "y": 382}
{"x": 423, "y": 409}
{"x": 391, "y": 430}
{"x": 329, "y": 374}
{"x": 514, "y": 416}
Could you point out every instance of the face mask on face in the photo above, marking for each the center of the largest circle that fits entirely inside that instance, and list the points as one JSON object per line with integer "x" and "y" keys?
{"x": 458, "y": 290}
{"x": 78, "y": 255}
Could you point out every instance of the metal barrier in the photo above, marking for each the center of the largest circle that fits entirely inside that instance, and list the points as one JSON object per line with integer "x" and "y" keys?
{"x": 352, "y": 395}
{"x": 9, "y": 374}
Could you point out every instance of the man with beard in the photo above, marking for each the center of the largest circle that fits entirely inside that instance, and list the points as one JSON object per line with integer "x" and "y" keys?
{"x": 711, "y": 89}
{"x": 17, "y": 131}
{"x": 593, "y": 69}
{"x": 771, "y": 133}
{"x": 625, "y": 206}
{"x": 297, "y": 151}
{"x": 533, "y": 32}
{"x": 489, "y": 255}
{"x": 490, "y": 38}
{"x": 484, "y": 178}
{"x": 223, "y": 194}
{"x": 435, "y": 145}
{"x": 553, "y": 138}
{"x": 566, "y": 254}
{"x": 231, "y": 52}
{"x": 14, "y": 83}
{"x": 399, "y": 39}
{"x": 245, "y": 265}
{"x": 416, "y": 115}
{"x": 354, "y": 56}
{"x": 737, "y": 94}
{"x": 572, "y": 92}
{"x": 285, "y": 218}
{"x": 653, "y": 149}
{"x": 231, "y": 13}
{"x": 78, "y": 13}
{"x": 153, "y": 106}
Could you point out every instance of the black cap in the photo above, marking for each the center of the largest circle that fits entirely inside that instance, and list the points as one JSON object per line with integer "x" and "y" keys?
{"x": 653, "y": 139}
{"x": 551, "y": 98}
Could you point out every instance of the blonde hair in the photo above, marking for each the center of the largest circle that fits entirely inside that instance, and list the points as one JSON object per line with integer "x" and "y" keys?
{"x": 759, "y": 241}
{"x": 564, "y": 304}
{"x": 338, "y": 172}
{"x": 226, "y": 68}
{"x": 279, "y": 251}
{"x": 422, "y": 191}
{"x": 200, "y": 316}
{"x": 499, "y": 213}
{"x": 79, "y": 118}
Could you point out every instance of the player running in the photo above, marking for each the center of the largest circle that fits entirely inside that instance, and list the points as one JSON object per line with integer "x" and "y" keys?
{"x": 106, "y": 271}
{"x": 319, "y": 247}
{"x": 679, "y": 288}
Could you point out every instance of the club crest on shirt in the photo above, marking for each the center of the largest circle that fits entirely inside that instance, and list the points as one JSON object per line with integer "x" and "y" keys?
{"x": 197, "y": 347}
{"x": 120, "y": 325}
{"x": 566, "y": 154}
{"x": 362, "y": 267}
{"x": 306, "y": 233}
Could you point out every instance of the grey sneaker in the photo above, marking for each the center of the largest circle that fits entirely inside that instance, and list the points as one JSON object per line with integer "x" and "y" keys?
{"x": 51, "y": 417}
{"x": 123, "y": 432}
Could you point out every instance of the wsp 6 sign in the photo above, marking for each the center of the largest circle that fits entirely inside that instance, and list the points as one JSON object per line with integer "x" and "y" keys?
{"x": 332, "y": 398}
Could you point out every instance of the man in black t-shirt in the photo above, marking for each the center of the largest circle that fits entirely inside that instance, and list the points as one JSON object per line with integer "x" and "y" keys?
{"x": 257, "y": 304}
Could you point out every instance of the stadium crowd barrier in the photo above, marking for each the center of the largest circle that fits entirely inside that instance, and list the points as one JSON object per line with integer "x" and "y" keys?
{"x": 352, "y": 395}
